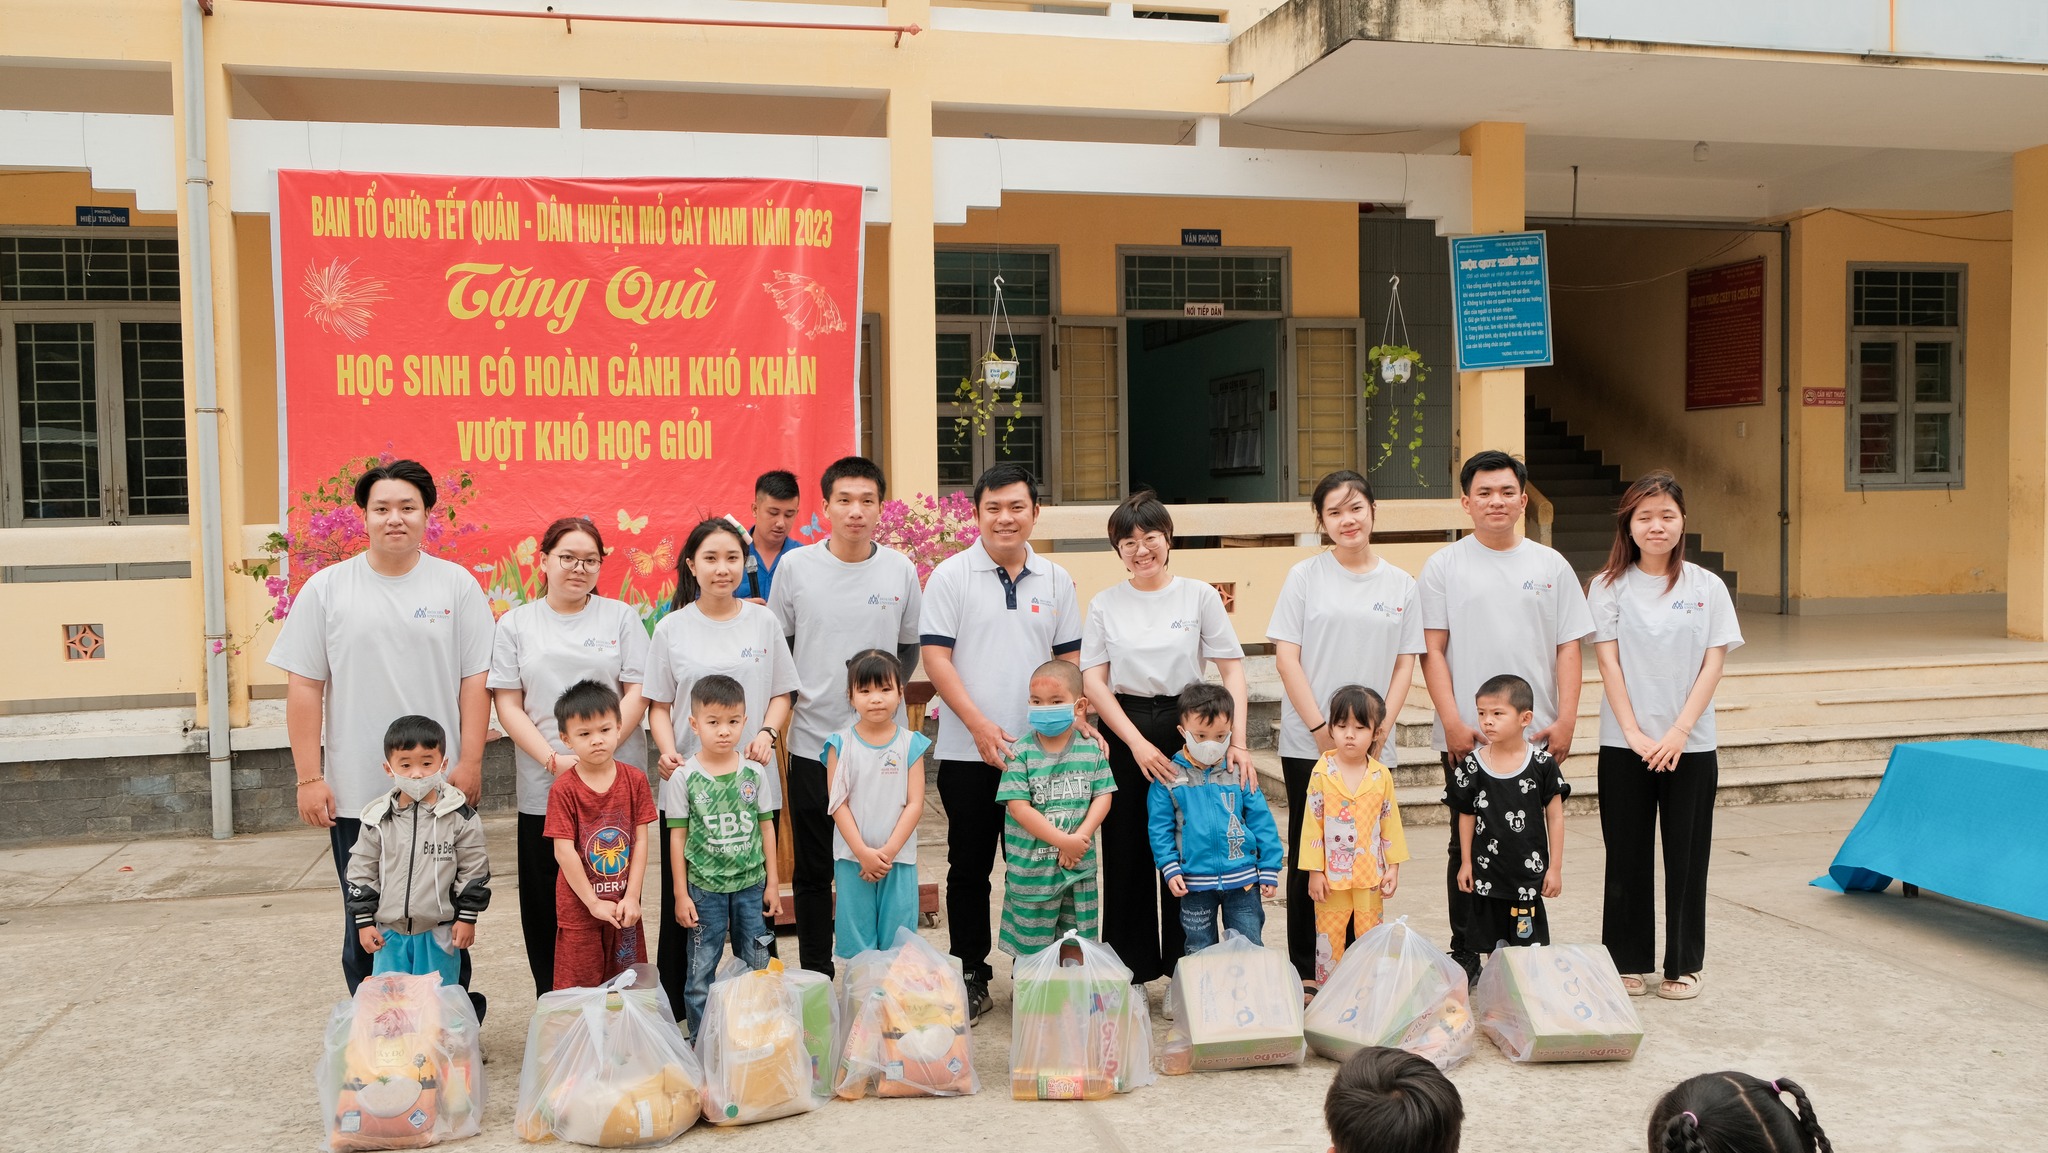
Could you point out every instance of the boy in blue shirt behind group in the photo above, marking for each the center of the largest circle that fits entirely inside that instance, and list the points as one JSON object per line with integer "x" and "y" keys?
{"x": 1212, "y": 834}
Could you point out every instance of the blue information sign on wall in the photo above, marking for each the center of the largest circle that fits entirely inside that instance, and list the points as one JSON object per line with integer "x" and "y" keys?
{"x": 1500, "y": 293}
{"x": 1202, "y": 237}
{"x": 96, "y": 216}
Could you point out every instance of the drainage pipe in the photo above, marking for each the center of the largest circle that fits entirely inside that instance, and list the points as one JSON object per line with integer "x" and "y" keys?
{"x": 213, "y": 562}
{"x": 569, "y": 19}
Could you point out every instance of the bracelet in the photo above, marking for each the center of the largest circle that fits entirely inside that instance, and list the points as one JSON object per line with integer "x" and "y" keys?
{"x": 1321, "y": 727}
{"x": 1242, "y": 748}
{"x": 312, "y": 781}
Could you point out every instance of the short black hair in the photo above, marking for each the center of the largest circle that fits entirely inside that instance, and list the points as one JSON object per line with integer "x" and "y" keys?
{"x": 586, "y": 699}
{"x": 873, "y": 668}
{"x": 415, "y": 732}
{"x": 1392, "y": 1101}
{"x": 1514, "y": 688}
{"x": 717, "y": 691}
{"x": 1355, "y": 705}
{"x": 1206, "y": 702}
{"x": 411, "y": 472}
{"x": 1492, "y": 460}
{"x": 776, "y": 484}
{"x": 1139, "y": 514}
{"x": 1003, "y": 476}
{"x": 852, "y": 468}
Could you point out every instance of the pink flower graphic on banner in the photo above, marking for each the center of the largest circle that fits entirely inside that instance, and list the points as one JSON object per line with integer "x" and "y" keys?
{"x": 341, "y": 299}
{"x": 804, "y": 301}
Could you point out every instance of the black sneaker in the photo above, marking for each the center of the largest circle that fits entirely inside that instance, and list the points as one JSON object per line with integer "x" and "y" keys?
{"x": 1470, "y": 963}
{"x": 978, "y": 999}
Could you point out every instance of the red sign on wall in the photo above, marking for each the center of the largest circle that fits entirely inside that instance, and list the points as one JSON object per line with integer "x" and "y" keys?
{"x": 1724, "y": 335}
{"x": 634, "y": 351}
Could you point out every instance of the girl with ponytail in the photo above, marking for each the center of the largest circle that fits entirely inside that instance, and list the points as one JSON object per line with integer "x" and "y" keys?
{"x": 1736, "y": 1113}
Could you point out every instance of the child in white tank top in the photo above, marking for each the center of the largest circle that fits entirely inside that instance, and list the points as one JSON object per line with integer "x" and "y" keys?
{"x": 876, "y": 775}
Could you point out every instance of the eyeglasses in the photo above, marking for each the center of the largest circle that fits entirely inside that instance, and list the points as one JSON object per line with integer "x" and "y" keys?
{"x": 1151, "y": 542}
{"x": 579, "y": 563}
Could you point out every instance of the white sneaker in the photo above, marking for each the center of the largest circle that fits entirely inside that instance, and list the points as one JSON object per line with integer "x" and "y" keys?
{"x": 1166, "y": 998}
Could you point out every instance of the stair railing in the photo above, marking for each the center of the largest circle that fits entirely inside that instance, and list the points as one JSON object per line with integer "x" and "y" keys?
{"x": 1539, "y": 517}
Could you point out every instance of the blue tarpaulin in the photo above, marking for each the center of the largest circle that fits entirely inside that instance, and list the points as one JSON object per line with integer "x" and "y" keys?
{"x": 1960, "y": 818}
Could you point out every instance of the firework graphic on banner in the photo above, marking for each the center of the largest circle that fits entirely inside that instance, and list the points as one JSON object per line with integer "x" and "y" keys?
{"x": 805, "y": 304}
{"x": 341, "y": 299}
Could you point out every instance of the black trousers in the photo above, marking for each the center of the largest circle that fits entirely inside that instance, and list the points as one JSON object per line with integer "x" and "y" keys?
{"x": 974, "y": 838}
{"x": 811, "y": 887}
{"x": 355, "y": 962}
{"x": 538, "y": 872}
{"x": 1635, "y": 804}
{"x": 1301, "y": 912}
{"x": 1494, "y": 921}
{"x": 672, "y": 945}
{"x": 1140, "y": 916}
{"x": 1463, "y": 941}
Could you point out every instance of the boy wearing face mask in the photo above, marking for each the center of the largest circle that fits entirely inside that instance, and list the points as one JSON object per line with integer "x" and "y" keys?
{"x": 1056, "y": 789}
{"x": 1213, "y": 836}
{"x": 418, "y": 875}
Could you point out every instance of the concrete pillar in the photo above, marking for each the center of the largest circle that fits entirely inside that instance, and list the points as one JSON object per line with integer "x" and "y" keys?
{"x": 1490, "y": 403}
{"x": 2026, "y": 594}
{"x": 912, "y": 408}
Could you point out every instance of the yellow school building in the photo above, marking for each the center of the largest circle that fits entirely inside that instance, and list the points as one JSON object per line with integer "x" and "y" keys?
{"x": 1203, "y": 216}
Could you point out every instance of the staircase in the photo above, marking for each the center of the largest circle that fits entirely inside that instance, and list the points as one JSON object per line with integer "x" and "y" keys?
{"x": 1585, "y": 493}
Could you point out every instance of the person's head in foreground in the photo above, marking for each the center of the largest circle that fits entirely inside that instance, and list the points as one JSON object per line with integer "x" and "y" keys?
{"x": 1736, "y": 1113}
{"x": 1391, "y": 1101}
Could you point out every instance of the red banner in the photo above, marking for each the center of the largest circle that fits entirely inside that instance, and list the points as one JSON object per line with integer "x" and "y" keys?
{"x": 1724, "y": 335}
{"x": 634, "y": 351}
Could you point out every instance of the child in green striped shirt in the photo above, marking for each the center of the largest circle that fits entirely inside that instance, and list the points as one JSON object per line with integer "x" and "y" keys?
{"x": 1056, "y": 789}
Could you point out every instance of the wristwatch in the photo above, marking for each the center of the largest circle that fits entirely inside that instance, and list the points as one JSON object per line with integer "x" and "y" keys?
{"x": 774, "y": 738}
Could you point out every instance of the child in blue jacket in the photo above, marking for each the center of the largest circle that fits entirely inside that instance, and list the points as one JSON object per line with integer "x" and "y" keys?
{"x": 1212, "y": 835}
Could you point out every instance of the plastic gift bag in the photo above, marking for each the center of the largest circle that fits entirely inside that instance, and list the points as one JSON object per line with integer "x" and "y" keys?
{"x": 402, "y": 1069}
{"x": 906, "y": 1024}
{"x": 608, "y": 1067}
{"x": 1394, "y": 988}
{"x": 1557, "y": 1003}
{"x": 758, "y": 1062}
{"x": 1080, "y": 1031}
{"x": 1235, "y": 1005}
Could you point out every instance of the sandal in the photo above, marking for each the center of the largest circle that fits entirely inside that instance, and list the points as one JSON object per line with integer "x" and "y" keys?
{"x": 1683, "y": 987}
{"x": 1308, "y": 993}
{"x": 1635, "y": 984}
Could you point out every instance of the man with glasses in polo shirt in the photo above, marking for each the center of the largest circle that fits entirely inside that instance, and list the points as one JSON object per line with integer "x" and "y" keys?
{"x": 991, "y": 614}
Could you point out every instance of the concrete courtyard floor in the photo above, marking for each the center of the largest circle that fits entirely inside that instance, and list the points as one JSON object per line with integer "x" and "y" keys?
{"x": 172, "y": 995}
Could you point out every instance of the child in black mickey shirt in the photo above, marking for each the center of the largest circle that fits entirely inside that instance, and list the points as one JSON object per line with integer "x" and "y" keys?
{"x": 1509, "y": 799}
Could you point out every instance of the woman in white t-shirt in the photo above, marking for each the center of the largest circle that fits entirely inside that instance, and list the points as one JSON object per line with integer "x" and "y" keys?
{"x": 708, "y": 632}
{"x": 1662, "y": 629}
{"x": 1344, "y": 617}
{"x": 540, "y": 649}
{"x": 1144, "y": 641}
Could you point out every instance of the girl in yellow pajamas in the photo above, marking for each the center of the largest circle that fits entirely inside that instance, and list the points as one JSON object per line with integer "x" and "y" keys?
{"x": 1351, "y": 841}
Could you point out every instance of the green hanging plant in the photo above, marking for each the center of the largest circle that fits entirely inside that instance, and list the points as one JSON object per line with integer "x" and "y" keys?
{"x": 979, "y": 404}
{"x": 1391, "y": 368}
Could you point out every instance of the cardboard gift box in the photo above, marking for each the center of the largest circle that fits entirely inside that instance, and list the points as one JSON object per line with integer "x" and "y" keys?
{"x": 1557, "y": 1003}
{"x": 1236, "y": 1005}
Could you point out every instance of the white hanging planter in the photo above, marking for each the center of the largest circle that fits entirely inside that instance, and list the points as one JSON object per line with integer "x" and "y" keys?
{"x": 1396, "y": 369}
{"x": 997, "y": 375}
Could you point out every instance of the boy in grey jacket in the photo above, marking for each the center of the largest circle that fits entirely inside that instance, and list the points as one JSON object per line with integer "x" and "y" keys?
{"x": 419, "y": 874}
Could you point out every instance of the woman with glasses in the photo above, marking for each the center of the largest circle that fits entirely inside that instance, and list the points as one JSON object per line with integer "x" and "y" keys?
{"x": 542, "y": 648}
{"x": 1145, "y": 640}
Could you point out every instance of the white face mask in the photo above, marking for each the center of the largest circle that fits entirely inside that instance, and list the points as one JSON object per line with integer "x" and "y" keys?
{"x": 1205, "y": 753}
{"x": 418, "y": 788}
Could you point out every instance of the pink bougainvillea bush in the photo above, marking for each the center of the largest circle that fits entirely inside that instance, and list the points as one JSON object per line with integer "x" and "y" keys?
{"x": 928, "y": 529}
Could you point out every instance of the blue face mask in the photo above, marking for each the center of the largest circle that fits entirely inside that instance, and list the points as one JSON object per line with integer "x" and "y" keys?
{"x": 1052, "y": 720}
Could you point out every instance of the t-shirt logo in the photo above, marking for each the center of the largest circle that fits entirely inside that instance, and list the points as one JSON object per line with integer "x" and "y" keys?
{"x": 600, "y": 642}
{"x": 1182, "y": 624}
{"x": 431, "y": 615}
{"x": 885, "y": 600}
{"x": 608, "y": 851}
{"x": 1538, "y": 587}
{"x": 1042, "y": 605}
{"x": 1387, "y": 610}
{"x": 750, "y": 653}
{"x": 748, "y": 790}
{"x": 891, "y": 763}
{"x": 1688, "y": 606}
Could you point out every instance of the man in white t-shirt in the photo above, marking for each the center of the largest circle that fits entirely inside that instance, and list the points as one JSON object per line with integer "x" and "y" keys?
{"x": 834, "y": 600}
{"x": 386, "y": 633}
{"x": 1493, "y": 603}
{"x": 992, "y": 613}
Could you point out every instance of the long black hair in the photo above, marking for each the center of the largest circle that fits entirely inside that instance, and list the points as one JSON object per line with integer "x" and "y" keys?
{"x": 1733, "y": 1112}
{"x": 687, "y": 588}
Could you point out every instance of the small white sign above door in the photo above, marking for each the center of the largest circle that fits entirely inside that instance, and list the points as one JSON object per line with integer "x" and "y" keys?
{"x": 1202, "y": 308}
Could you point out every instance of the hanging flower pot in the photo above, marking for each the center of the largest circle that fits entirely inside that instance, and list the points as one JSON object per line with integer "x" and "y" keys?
{"x": 997, "y": 375}
{"x": 1396, "y": 369}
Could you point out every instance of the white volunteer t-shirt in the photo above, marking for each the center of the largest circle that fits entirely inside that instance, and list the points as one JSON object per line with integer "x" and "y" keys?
{"x": 1157, "y": 643}
{"x": 999, "y": 632}
{"x": 1351, "y": 629}
{"x": 1662, "y": 637}
{"x": 873, "y": 782}
{"x": 543, "y": 652}
{"x": 387, "y": 647}
{"x": 834, "y": 610}
{"x": 1507, "y": 612}
{"x": 689, "y": 646}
